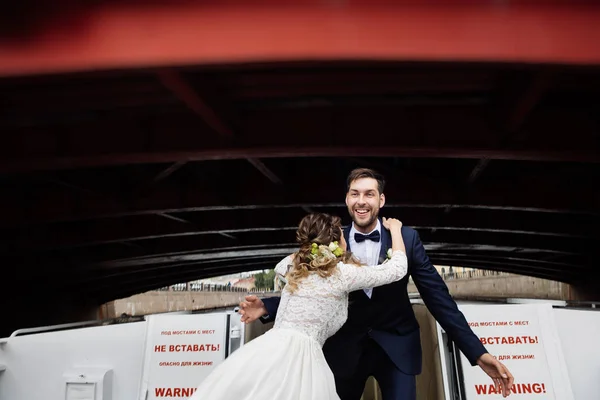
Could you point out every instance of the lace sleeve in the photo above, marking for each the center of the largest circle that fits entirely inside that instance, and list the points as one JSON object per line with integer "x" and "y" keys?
{"x": 282, "y": 267}
{"x": 355, "y": 277}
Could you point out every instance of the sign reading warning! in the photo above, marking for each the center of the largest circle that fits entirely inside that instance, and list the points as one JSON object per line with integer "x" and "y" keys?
{"x": 524, "y": 338}
{"x": 181, "y": 350}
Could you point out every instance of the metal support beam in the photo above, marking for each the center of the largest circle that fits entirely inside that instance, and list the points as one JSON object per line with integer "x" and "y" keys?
{"x": 164, "y": 174}
{"x": 529, "y": 194}
{"x": 260, "y": 166}
{"x": 177, "y": 84}
{"x": 232, "y": 153}
{"x": 148, "y": 227}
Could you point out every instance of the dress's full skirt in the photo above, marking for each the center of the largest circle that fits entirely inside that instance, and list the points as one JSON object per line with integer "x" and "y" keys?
{"x": 282, "y": 364}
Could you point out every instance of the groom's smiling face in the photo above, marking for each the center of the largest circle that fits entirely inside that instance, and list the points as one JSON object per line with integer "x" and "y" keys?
{"x": 364, "y": 201}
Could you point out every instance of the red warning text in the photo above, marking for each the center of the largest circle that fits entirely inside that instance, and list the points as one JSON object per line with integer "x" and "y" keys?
{"x": 518, "y": 388}
{"x": 188, "y": 332}
{"x": 173, "y": 392}
{"x": 498, "y": 323}
{"x": 509, "y": 340}
{"x": 185, "y": 363}
{"x": 178, "y": 348}
{"x": 516, "y": 357}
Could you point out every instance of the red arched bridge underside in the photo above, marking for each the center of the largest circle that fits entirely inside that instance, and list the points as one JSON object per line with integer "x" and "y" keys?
{"x": 145, "y": 146}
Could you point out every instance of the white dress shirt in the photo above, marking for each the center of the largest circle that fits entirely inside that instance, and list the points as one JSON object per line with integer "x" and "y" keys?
{"x": 367, "y": 251}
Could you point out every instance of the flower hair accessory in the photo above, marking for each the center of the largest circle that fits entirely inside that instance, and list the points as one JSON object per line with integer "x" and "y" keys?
{"x": 333, "y": 250}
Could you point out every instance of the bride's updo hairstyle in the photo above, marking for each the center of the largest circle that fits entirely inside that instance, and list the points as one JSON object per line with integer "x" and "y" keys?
{"x": 319, "y": 236}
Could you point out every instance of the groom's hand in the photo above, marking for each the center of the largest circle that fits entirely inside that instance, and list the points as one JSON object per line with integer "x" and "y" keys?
{"x": 503, "y": 379}
{"x": 252, "y": 309}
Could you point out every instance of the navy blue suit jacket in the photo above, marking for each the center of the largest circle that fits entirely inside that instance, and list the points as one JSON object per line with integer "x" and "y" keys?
{"x": 388, "y": 317}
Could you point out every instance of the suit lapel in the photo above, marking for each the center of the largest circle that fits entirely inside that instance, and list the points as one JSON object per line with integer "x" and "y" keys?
{"x": 346, "y": 232}
{"x": 386, "y": 243}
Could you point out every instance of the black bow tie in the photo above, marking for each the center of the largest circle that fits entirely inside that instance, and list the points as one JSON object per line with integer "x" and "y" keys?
{"x": 374, "y": 236}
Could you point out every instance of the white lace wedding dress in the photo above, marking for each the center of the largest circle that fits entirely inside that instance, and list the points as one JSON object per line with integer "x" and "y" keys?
{"x": 287, "y": 362}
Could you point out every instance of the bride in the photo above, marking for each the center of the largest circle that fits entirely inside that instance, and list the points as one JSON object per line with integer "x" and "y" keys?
{"x": 287, "y": 362}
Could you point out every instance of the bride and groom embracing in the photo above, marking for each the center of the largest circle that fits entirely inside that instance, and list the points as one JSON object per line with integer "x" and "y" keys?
{"x": 345, "y": 315}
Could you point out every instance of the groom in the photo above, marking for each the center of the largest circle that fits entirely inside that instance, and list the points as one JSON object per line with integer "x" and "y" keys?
{"x": 381, "y": 336}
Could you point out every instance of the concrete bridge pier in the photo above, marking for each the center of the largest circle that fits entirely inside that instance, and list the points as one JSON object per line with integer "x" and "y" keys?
{"x": 493, "y": 285}
{"x": 585, "y": 292}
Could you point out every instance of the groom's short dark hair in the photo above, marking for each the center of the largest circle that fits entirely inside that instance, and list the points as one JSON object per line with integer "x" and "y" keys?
{"x": 359, "y": 173}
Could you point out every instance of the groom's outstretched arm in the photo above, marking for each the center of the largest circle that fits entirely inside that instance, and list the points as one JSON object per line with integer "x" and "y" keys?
{"x": 271, "y": 305}
{"x": 253, "y": 308}
{"x": 442, "y": 306}
{"x": 437, "y": 298}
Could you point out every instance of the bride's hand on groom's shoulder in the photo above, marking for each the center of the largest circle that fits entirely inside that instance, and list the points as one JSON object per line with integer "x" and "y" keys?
{"x": 390, "y": 223}
{"x": 251, "y": 309}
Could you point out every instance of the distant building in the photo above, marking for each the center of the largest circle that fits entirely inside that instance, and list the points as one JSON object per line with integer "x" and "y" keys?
{"x": 246, "y": 283}
{"x": 446, "y": 269}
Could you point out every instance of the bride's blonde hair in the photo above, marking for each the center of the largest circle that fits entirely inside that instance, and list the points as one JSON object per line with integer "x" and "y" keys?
{"x": 321, "y": 229}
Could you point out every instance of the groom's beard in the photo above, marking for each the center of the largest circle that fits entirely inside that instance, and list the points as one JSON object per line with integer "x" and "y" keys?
{"x": 364, "y": 223}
